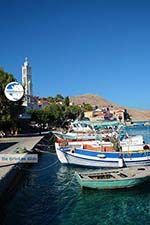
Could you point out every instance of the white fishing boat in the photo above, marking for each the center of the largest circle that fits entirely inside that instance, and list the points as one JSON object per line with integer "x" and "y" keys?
{"x": 81, "y": 127}
{"x": 72, "y": 136}
{"x": 88, "y": 141}
{"x": 101, "y": 158}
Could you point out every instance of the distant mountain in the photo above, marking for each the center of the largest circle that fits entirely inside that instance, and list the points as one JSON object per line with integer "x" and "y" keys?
{"x": 95, "y": 100}
{"x": 138, "y": 114}
{"x": 91, "y": 99}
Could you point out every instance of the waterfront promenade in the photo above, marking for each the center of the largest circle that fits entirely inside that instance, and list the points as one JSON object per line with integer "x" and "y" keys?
{"x": 9, "y": 146}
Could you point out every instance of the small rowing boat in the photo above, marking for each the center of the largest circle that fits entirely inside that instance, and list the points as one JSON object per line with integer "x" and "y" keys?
{"x": 114, "y": 179}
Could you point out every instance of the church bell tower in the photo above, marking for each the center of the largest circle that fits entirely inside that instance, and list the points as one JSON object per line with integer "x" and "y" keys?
{"x": 27, "y": 83}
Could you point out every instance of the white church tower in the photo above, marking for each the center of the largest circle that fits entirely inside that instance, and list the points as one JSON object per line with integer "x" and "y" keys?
{"x": 27, "y": 83}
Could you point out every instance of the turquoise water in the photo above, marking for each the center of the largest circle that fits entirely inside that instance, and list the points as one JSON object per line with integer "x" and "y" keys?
{"x": 53, "y": 197}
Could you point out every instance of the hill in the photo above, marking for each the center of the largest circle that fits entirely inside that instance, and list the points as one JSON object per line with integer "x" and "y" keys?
{"x": 91, "y": 99}
{"x": 95, "y": 100}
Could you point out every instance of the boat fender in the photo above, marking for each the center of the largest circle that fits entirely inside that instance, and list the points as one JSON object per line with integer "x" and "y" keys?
{"x": 101, "y": 156}
{"x": 120, "y": 162}
{"x": 73, "y": 150}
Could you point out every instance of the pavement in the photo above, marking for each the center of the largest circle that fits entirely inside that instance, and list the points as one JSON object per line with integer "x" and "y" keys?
{"x": 11, "y": 145}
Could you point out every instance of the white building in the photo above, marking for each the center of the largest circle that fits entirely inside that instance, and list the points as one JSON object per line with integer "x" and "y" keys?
{"x": 27, "y": 84}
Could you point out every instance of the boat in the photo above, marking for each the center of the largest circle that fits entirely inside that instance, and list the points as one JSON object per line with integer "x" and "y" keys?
{"x": 147, "y": 123}
{"x": 102, "y": 157}
{"x": 73, "y": 136}
{"x": 126, "y": 142}
{"x": 131, "y": 143}
{"x": 81, "y": 127}
{"x": 86, "y": 130}
{"x": 114, "y": 179}
{"x": 106, "y": 124}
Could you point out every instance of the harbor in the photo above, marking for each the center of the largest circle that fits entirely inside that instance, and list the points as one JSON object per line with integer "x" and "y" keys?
{"x": 49, "y": 156}
{"x": 44, "y": 184}
{"x": 74, "y": 112}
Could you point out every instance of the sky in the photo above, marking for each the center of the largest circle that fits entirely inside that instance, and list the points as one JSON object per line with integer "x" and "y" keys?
{"x": 80, "y": 46}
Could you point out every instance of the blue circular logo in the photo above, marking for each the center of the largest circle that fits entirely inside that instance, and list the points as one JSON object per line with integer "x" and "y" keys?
{"x": 14, "y": 91}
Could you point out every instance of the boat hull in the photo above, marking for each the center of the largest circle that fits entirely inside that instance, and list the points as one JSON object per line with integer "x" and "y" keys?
{"x": 99, "y": 159}
{"x": 109, "y": 184}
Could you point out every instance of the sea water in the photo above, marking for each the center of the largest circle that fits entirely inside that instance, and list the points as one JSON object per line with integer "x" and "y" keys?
{"x": 52, "y": 196}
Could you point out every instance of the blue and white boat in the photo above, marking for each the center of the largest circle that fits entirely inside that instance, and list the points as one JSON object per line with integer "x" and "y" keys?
{"x": 96, "y": 158}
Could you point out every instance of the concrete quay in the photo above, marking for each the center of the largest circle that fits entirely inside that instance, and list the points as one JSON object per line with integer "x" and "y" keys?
{"x": 8, "y": 171}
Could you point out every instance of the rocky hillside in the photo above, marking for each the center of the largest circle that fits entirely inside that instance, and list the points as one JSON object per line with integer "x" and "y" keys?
{"x": 137, "y": 114}
{"x": 91, "y": 99}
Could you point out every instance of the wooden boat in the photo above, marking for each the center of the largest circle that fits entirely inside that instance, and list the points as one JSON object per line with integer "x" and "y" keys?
{"x": 114, "y": 179}
{"x": 101, "y": 158}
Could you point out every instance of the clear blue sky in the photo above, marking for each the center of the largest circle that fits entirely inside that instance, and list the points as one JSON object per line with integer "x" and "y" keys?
{"x": 80, "y": 46}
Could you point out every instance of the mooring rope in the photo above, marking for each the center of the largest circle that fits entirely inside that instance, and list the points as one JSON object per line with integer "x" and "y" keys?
{"x": 5, "y": 165}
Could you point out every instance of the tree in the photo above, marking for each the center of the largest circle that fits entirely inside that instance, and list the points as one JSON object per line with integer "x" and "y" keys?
{"x": 50, "y": 99}
{"x": 51, "y": 115}
{"x": 72, "y": 112}
{"x": 59, "y": 97}
{"x": 126, "y": 116}
{"x": 55, "y": 113}
{"x": 67, "y": 101}
{"x": 39, "y": 117}
{"x": 87, "y": 107}
{"x": 9, "y": 111}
